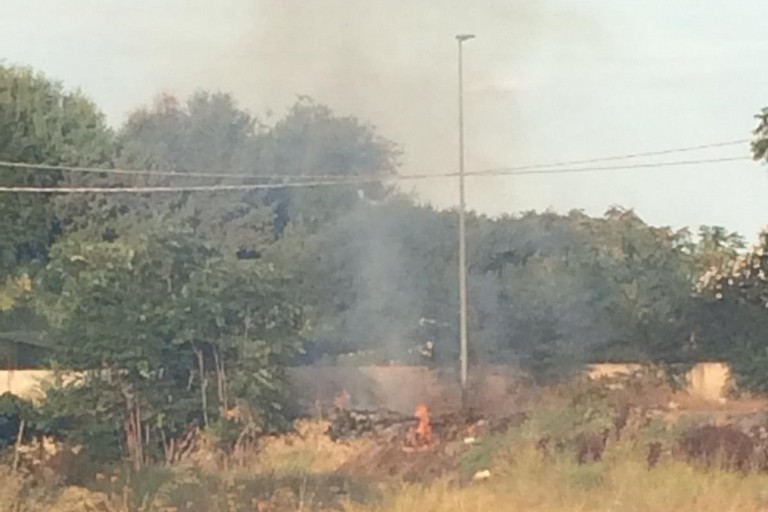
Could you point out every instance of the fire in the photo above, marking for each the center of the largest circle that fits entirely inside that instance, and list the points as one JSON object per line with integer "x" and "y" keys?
{"x": 424, "y": 428}
{"x": 341, "y": 401}
{"x": 420, "y": 438}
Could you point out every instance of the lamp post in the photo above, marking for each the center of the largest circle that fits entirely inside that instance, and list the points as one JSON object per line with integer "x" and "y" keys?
{"x": 461, "y": 38}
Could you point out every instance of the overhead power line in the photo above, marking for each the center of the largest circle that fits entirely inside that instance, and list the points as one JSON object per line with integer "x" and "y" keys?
{"x": 312, "y": 177}
{"x": 354, "y": 180}
{"x": 627, "y": 156}
{"x": 191, "y": 188}
{"x": 151, "y": 172}
{"x": 650, "y": 165}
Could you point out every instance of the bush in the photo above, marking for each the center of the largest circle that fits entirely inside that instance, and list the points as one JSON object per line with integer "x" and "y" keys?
{"x": 14, "y": 410}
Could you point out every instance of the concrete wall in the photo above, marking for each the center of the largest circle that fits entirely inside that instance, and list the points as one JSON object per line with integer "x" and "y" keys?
{"x": 402, "y": 388}
{"x": 708, "y": 381}
{"x": 27, "y": 384}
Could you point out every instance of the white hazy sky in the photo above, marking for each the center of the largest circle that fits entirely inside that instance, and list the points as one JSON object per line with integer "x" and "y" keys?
{"x": 546, "y": 80}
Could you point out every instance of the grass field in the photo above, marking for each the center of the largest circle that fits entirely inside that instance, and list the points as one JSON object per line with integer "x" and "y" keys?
{"x": 621, "y": 483}
{"x": 303, "y": 479}
{"x": 306, "y": 471}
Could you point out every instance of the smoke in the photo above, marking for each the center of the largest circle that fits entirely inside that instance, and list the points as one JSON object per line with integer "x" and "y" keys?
{"x": 388, "y": 277}
{"x": 392, "y": 63}
{"x": 395, "y": 64}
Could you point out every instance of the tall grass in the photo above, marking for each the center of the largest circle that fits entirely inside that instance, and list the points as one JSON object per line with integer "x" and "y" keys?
{"x": 521, "y": 479}
{"x": 302, "y": 472}
{"x": 621, "y": 482}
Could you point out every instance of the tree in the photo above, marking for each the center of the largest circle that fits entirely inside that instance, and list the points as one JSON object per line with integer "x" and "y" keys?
{"x": 735, "y": 295}
{"x": 370, "y": 278}
{"x": 557, "y": 291}
{"x": 208, "y": 134}
{"x": 168, "y": 331}
{"x": 529, "y": 302}
{"x": 40, "y": 123}
{"x": 312, "y": 141}
{"x": 650, "y": 282}
{"x": 717, "y": 247}
{"x": 760, "y": 143}
{"x": 548, "y": 291}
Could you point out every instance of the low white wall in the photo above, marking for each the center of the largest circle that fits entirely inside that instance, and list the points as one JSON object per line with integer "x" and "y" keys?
{"x": 709, "y": 381}
{"x": 401, "y": 387}
{"x": 27, "y": 384}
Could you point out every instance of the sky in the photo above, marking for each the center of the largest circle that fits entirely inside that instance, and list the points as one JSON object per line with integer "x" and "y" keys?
{"x": 545, "y": 81}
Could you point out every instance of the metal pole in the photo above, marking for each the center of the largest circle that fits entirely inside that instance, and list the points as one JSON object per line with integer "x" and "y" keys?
{"x": 462, "y": 226}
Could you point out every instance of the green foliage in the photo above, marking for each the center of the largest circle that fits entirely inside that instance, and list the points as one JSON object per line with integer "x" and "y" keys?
{"x": 13, "y": 411}
{"x": 312, "y": 141}
{"x": 586, "y": 410}
{"x": 482, "y": 453}
{"x": 370, "y": 277}
{"x": 760, "y": 142}
{"x": 87, "y": 415}
{"x": 172, "y": 306}
{"x": 566, "y": 423}
{"x": 658, "y": 431}
{"x": 547, "y": 291}
{"x": 650, "y": 284}
{"x": 167, "y": 331}
{"x": 586, "y": 477}
{"x": 735, "y": 302}
{"x": 207, "y": 134}
{"x": 39, "y": 123}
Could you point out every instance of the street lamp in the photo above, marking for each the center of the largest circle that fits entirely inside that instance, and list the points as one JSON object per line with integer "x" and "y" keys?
{"x": 461, "y": 38}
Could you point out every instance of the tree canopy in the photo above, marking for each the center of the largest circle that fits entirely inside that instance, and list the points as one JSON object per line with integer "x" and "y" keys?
{"x": 40, "y": 123}
{"x": 180, "y": 307}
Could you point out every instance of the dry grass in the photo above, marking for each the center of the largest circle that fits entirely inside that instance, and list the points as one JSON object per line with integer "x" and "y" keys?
{"x": 11, "y": 489}
{"x": 298, "y": 472}
{"x": 521, "y": 479}
{"x": 620, "y": 483}
{"x": 308, "y": 450}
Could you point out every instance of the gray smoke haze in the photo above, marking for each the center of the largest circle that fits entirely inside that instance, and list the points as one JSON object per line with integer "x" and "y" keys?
{"x": 392, "y": 63}
{"x": 547, "y": 80}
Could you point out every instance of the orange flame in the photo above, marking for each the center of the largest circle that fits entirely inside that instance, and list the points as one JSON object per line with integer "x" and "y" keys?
{"x": 341, "y": 401}
{"x": 424, "y": 428}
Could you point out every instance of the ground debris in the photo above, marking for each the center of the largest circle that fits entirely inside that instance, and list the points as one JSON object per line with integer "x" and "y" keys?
{"x": 724, "y": 445}
{"x": 385, "y": 424}
{"x": 411, "y": 449}
{"x": 351, "y": 424}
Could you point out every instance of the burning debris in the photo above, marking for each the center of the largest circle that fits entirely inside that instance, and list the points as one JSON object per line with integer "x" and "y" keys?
{"x": 353, "y": 424}
{"x": 341, "y": 401}
{"x": 420, "y": 438}
{"x": 420, "y": 432}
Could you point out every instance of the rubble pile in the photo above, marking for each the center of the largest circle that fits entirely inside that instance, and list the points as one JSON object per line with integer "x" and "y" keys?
{"x": 354, "y": 424}
{"x": 390, "y": 425}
